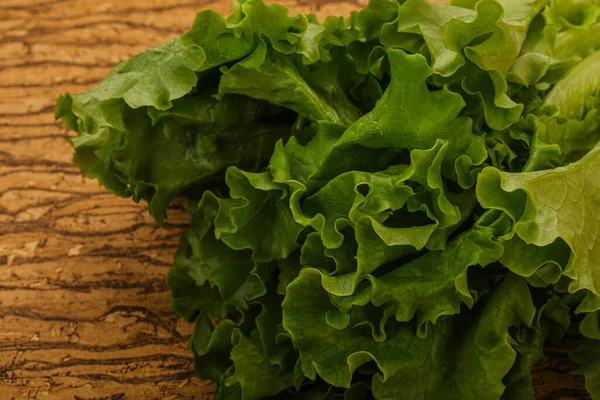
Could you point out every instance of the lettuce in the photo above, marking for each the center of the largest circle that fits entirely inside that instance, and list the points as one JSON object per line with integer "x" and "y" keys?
{"x": 404, "y": 203}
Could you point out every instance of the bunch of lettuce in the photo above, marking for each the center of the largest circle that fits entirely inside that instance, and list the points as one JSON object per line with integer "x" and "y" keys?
{"x": 402, "y": 204}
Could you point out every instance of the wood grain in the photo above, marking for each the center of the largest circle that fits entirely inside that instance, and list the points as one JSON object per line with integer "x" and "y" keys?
{"x": 84, "y": 308}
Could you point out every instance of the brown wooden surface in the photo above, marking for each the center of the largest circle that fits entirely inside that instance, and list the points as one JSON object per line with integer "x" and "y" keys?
{"x": 84, "y": 308}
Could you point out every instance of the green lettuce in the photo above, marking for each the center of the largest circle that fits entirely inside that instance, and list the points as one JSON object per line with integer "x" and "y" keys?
{"x": 403, "y": 203}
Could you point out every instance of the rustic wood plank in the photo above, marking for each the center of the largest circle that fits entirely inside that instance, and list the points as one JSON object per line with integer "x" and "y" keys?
{"x": 84, "y": 307}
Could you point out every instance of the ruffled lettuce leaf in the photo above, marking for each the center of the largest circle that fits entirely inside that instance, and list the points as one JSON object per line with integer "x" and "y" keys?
{"x": 472, "y": 45}
{"x": 176, "y": 104}
{"x": 561, "y": 203}
{"x": 462, "y": 357}
{"x": 412, "y": 124}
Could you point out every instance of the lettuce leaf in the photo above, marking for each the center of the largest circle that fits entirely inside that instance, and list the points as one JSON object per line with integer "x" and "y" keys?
{"x": 465, "y": 356}
{"x": 561, "y": 203}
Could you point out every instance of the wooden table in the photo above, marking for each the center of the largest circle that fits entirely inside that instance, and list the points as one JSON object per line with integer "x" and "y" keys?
{"x": 84, "y": 308}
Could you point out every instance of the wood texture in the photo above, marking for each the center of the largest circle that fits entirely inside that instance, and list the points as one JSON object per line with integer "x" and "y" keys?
{"x": 84, "y": 308}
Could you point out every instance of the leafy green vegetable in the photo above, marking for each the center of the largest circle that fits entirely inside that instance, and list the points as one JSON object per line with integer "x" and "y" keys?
{"x": 404, "y": 203}
{"x": 548, "y": 205}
